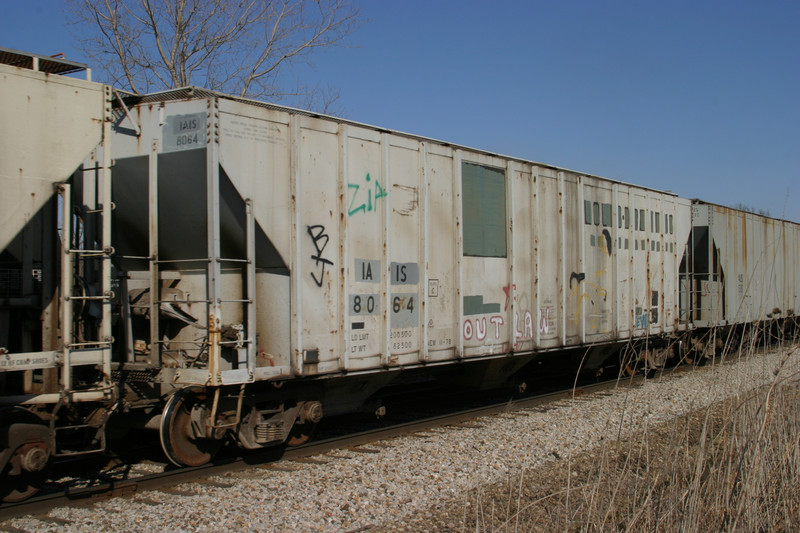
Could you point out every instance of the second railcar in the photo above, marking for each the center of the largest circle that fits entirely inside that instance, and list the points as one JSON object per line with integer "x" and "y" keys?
{"x": 740, "y": 271}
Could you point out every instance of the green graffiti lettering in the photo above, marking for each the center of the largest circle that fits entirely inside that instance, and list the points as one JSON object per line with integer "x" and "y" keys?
{"x": 367, "y": 206}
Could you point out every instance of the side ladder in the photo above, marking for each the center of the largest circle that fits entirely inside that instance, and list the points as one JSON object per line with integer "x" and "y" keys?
{"x": 86, "y": 300}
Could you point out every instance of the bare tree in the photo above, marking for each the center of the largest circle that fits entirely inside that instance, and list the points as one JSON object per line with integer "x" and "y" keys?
{"x": 749, "y": 209}
{"x": 244, "y": 47}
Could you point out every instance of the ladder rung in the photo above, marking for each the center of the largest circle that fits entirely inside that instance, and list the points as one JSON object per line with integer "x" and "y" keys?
{"x": 90, "y": 211}
{"x": 86, "y": 253}
{"x": 183, "y": 301}
{"x": 193, "y": 343}
{"x": 88, "y": 297}
{"x": 206, "y": 259}
{"x": 96, "y": 167}
{"x": 85, "y": 344}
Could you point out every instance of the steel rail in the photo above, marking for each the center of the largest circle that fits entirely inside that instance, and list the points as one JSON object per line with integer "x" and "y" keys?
{"x": 39, "y": 505}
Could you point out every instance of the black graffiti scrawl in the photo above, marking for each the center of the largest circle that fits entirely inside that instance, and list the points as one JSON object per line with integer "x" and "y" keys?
{"x": 607, "y": 235}
{"x": 576, "y": 277}
{"x": 320, "y": 240}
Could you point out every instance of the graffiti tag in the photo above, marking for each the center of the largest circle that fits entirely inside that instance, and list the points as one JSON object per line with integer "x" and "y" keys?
{"x": 527, "y": 331}
{"x": 544, "y": 321}
{"x": 320, "y": 240}
{"x": 365, "y": 206}
{"x": 477, "y": 327}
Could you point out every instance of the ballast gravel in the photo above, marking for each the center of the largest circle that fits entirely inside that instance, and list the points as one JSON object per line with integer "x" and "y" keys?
{"x": 352, "y": 490}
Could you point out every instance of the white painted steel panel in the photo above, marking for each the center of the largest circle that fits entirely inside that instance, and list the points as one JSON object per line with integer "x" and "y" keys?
{"x": 549, "y": 277}
{"x": 366, "y": 205}
{"x": 319, "y": 264}
{"x": 442, "y": 290}
{"x": 519, "y": 305}
{"x": 624, "y": 262}
{"x": 640, "y": 296}
{"x": 406, "y": 268}
{"x": 655, "y": 264}
{"x": 255, "y": 151}
{"x": 593, "y": 284}
{"x": 485, "y": 285}
{"x": 682, "y": 228}
{"x": 572, "y": 253}
{"x": 48, "y": 127}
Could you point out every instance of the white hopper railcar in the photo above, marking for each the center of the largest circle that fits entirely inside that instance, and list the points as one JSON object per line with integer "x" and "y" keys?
{"x": 229, "y": 269}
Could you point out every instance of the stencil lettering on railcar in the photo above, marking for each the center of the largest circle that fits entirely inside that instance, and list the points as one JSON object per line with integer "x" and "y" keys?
{"x": 183, "y": 132}
{"x": 367, "y": 271}
{"x": 244, "y": 129}
{"x": 405, "y": 273}
{"x": 402, "y": 339}
{"x": 358, "y": 342}
{"x": 365, "y": 304}
{"x": 433, "y": 288}
{"x": 405, "y": 310}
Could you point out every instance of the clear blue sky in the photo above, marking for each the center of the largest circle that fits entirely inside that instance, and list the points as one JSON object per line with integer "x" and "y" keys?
{"x": 698, "y": 97}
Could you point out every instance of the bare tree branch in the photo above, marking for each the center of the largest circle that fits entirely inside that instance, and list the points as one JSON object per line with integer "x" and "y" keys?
{"x": 245, "y": 47}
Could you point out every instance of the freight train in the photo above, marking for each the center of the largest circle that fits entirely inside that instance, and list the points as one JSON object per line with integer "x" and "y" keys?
{"x": 222, "y": 270}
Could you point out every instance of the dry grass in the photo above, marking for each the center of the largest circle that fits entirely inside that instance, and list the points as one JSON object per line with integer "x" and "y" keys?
{"x": 734, "y": 466}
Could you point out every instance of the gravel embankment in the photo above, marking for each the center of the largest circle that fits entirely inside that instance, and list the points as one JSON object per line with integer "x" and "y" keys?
{"x": 347, "y": 490}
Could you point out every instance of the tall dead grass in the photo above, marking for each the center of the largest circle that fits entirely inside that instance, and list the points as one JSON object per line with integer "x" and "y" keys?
{"x": 733, "y": 466}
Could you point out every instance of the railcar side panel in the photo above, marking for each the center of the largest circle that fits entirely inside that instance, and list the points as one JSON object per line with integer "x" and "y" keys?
{"x": 666, "y": 244}
{"x": 518, "y": 303}
{"x": 792, "y": 260}
{"x": 485, "y": 262}
{"x": 592, "y": 284}
{"x": 641, "y": 298}
{"x": 681, "y": 226}
{"x": 255, "y": 155}
{"x": 623, "y": 260}
{"x": 572, "y": 221}
{"x": 406, "y": 241}
{"x": 56, "y": 114}
{"x": 549, "y": 236}
{"x": 443, "y": 329}
{"x": 317, "y": 227}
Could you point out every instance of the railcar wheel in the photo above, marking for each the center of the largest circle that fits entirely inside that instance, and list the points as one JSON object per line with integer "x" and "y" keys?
{"x": 301, "y": 433}
{"x": 29, "y": 455}
{"x": 182, "y": 429}
{"x": 628, "y": 362}
{"x": 304, "y": 426}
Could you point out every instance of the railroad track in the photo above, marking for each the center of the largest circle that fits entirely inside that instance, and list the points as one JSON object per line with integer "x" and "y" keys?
{"x": 274, "y": 458}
